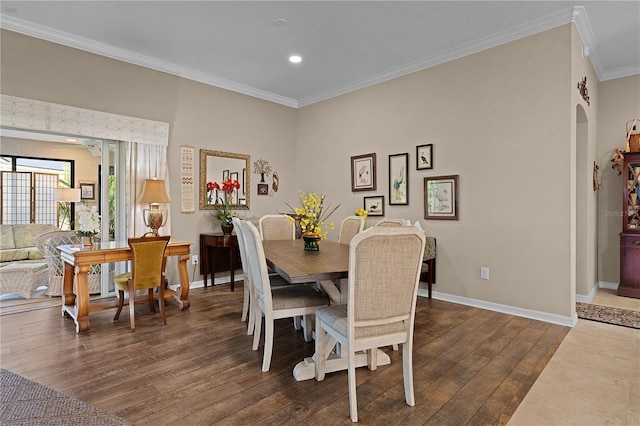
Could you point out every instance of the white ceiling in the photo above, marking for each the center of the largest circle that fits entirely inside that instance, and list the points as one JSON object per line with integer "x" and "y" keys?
{"x": 345, "y": 45}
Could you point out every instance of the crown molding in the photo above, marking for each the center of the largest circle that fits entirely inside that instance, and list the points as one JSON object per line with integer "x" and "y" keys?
{"x": 66, "y": 39}
{"x": 577, "y": 15}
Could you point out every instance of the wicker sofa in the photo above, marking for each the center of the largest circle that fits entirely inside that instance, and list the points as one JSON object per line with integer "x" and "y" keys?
{"x": 18, "y": 242}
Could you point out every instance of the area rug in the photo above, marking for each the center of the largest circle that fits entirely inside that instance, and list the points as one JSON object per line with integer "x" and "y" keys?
{"x": 608, "y": 314}
{"x": 25, "y": 402}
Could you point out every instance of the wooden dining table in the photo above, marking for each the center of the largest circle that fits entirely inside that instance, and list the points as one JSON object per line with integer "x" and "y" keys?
{"x": 78, "y": 260}
{"x": 327, "y": 267}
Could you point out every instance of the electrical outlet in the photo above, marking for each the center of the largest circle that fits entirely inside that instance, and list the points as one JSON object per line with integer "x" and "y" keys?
{"x": 484, "y": 273}
{"x": 194, "y": 259}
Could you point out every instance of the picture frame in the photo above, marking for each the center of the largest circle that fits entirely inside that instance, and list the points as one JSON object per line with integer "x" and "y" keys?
{"x": 363, "y": 172}
{"x": 244, "y": 179}
{"x": 225, "y": 175}
{"x": 441, "y": 197}
{"x": 424, "y": 157}
{"x": 399, "y": 179}
{"x": 236, "y": 195}
{"x": 87, "y": 191}
{"x": 263, "y": 189}
{"x": 374, "y": 205}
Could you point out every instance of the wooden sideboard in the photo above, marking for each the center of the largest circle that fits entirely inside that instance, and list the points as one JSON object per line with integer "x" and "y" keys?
{"x": 218, "y": 253}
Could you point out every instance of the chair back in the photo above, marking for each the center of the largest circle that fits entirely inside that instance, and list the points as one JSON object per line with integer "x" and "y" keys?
{"x": 48, "y": 244}
{"x": 277, "y": 227}
{"x": 391, "y": 222}
{"x": 148, "y": 260}
{"x": 350, "y": 226}
{"x": 384, "y": 272}
{"x": 242, "y": 246}
{"x": 257, "y": 264}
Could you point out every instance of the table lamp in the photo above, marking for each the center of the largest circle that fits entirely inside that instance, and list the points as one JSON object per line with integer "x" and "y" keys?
{"x": 154, "y": 193}
{"x": 67, "y": 196}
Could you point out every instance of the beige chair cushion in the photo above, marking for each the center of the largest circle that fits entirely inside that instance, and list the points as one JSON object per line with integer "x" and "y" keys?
{"x": 6, "y": 237}
{"x": 27, "y": 234}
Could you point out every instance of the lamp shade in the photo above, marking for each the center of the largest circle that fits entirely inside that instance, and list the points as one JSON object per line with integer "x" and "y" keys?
{"x": 68, "y": 195}
{"x": 153, "y": 191}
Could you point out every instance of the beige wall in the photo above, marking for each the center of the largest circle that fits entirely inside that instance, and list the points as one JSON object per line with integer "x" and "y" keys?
{"x": 505, "y": 120}
{"x": 619, "y": 102}
{"x": 501, "y": 120}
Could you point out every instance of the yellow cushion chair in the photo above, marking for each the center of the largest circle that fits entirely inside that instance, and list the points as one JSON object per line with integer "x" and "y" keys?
{"x": 147, "y": 267}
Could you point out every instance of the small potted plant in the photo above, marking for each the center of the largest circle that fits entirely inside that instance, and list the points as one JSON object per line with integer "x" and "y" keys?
{"x": 223, "y": 211}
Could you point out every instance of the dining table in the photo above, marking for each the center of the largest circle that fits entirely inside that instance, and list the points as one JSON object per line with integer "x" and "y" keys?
{"x": 328, "y": 268}
{"x": 78, "y": 260}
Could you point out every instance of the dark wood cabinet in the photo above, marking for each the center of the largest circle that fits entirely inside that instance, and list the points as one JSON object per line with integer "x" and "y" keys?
{"x": 630, "y": 236}
{"x": 218, "y": 253}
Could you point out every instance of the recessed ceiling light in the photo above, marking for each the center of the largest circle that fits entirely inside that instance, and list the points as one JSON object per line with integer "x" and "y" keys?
{"x": 295, "y": 59}
{"x": 71, "y": 140}
{"x": 280, "y": 22}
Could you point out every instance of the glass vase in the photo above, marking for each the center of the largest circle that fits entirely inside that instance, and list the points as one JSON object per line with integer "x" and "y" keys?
{"x": 227, "y": 227}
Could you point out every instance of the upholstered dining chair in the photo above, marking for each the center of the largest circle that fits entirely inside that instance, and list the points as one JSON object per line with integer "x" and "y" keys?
{"x": 48, "y": 245}
{"x": 147, "y": 268}
{"x": 384, "y": 271}
{"x": 277, "y": 227}
{"x": 349, "y": 227}
{"x": 248, "y": 297}
{"x": 274, "y": 303}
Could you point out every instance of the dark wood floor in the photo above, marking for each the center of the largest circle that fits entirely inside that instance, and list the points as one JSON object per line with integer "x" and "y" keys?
{"x": 471, "y": 366}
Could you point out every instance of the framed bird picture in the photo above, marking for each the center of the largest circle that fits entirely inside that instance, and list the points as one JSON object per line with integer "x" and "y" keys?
{"x": 363, "y": 172}
{"x": 374, "y": 205}
{"x": 441, "y": 197}
{"x": 424, "y": 157}
{"x": 399, "y": 179}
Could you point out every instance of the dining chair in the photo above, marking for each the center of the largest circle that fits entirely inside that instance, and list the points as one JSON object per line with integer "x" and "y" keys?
{"x": 277, "y": 227}
{"x": 248, "y": 286}
{"x": 384, "y": 271}
{"x": 274, "y": 303}
{"x": 349, "y": 227}
{"x": 147, "y": 268}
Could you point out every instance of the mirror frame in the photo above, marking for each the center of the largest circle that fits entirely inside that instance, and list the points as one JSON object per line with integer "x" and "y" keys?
{"x": 204, "y": 154}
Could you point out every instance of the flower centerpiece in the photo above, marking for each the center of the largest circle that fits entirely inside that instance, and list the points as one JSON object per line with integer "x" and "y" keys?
{"x": 363, "y": 213}
{"x": 223, "y": 211}
{"x": 313, "y": 219}
{"x": 88, "y": 224}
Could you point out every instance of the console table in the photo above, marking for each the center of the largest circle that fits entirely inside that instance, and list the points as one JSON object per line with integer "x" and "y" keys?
{"x": 219, "y": 252}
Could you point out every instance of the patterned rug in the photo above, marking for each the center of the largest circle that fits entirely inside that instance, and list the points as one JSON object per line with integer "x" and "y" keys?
{"x": 608, "y": 314}
{"x": 25, "y": 402}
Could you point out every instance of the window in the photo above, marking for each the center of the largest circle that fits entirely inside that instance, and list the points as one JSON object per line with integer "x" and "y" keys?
{"x": 27, "y": 189}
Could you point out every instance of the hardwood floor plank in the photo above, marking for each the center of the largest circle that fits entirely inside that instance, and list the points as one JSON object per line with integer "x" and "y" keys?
{"x": 471, "y": 366}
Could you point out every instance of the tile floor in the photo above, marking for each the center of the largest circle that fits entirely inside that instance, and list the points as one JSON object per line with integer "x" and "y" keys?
{"x": 592, "y": 379}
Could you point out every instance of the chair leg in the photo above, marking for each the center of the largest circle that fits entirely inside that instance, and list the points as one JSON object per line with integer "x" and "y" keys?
{"x": 407, "y": 371}
{"x": 269, "y": 325}
{"x": 353, "y": 399}
{"x": 395, "y": 347}
{"x": 257, "y": 330}
{"x": 372, "y": 359}
{"x": 120, "y": 305}
{"x": 320, "y": 351}
{"x": 132, "y": 306}
{"x": 152, "y": 306}
{"x": 245, "y": 302}
{"x": 252, "y": 316}
{"x": 161, "y": 304}
{"x": 307, "y": 328}
{"x": 297, "y": 322}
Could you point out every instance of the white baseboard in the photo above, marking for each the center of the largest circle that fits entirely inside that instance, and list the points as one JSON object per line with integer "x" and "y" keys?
{"x": 589, "y": 297}
{"x": 607, "y": 285}
{"x": 505, "y": 309}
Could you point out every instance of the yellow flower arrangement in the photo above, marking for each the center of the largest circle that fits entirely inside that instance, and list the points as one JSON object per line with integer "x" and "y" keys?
{"x": 363, "y": 213}
{"x": 313, "y": 215}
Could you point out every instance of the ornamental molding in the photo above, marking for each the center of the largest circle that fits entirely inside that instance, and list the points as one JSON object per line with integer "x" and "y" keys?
{"x": 41, "y": 116}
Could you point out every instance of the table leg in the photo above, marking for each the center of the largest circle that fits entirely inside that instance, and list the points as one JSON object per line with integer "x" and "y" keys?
{"x": 306, "y": 369}
{"x": 183, "y": 301}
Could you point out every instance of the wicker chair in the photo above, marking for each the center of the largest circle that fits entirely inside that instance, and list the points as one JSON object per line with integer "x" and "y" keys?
{"x": 48, "y": 244}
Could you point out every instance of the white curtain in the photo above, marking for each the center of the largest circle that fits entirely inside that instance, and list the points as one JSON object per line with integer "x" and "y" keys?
{"x": 144, "y": 161}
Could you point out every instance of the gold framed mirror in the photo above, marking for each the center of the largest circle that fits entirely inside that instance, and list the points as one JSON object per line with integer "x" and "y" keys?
{"x": 216, "y": 166}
